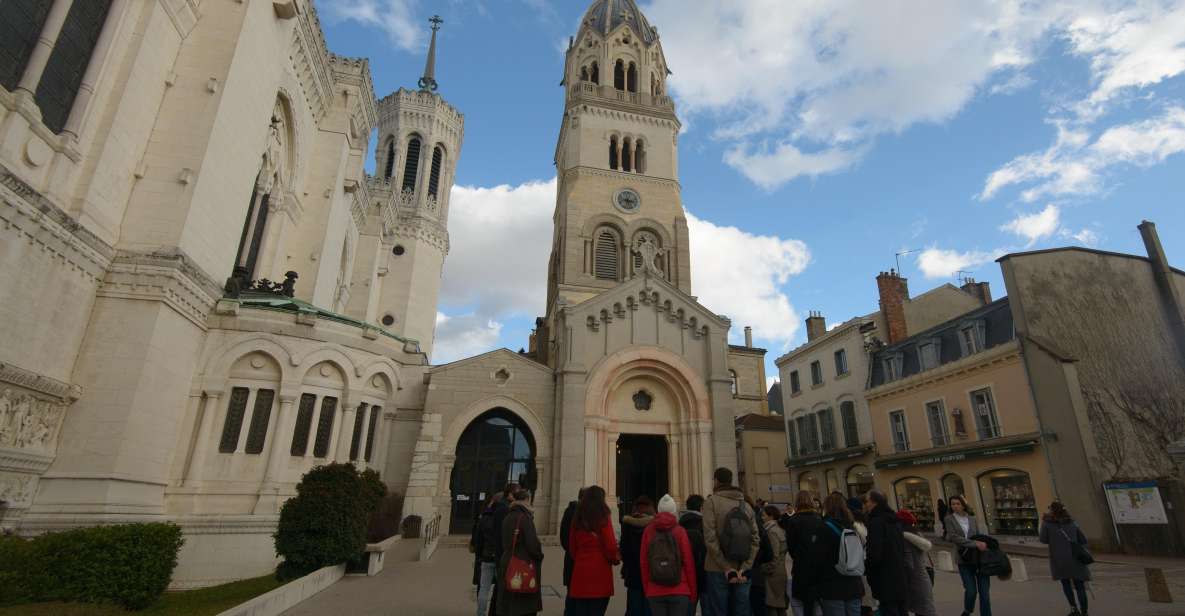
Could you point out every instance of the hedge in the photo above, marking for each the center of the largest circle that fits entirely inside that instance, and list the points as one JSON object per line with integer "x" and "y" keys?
{"x": 128, "y": 564}
{"x": 326, "y": 522}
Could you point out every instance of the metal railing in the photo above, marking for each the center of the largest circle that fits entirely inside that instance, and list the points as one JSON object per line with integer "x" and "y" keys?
{"x": 430, "y": 537}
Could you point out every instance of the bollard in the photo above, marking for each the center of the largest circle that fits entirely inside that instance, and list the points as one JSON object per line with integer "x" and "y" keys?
{"x": 945, "y": 561}
{"x": 1019, "y": 572}
{"x": 1158, "y": 588}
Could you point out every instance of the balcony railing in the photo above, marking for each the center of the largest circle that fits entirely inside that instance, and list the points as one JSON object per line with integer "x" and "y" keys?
{"x": 587, "y": 89}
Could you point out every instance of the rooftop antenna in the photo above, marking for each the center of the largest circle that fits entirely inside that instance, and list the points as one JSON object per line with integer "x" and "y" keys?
{"x": 960, "y": 277}
{"x": 901, "y": 254}
{"x": 428, "y": 81}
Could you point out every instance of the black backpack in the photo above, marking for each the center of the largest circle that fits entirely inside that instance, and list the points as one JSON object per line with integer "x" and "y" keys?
{"x": 736, "y": 535}
{"x": 664, "y": 560}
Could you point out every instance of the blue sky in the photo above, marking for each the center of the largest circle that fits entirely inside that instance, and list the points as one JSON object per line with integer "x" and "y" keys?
{"x": 819, "y": 141}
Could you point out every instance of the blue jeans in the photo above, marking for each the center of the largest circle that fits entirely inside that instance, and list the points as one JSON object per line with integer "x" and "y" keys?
{"x": 723, "y": 599}
{"x": 973, "y": 584}
{"x": 485, "y": 588}
{"x": 636, "y": 603}
{"x": 840, "y": 607}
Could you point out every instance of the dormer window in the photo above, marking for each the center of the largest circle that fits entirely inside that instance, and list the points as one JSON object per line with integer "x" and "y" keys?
{"x": 971, "y": 337}
{"x": 929, "y": 354}
{"x": 892, "y": 366}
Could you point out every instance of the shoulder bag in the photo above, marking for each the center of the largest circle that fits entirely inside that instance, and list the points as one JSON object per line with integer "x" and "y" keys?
{"x": 1079, "y": 551}
{"x": 520, "y": 573}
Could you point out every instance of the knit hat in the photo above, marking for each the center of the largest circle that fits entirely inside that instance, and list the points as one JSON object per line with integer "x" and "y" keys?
{"x": 667, "y": 504}
{"x": 907, "y": 518}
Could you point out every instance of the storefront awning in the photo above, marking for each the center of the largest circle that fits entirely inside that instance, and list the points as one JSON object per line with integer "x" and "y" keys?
{"x": 998, "y": 447}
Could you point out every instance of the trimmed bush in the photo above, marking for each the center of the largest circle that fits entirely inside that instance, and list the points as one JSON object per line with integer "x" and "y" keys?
{"x": 325, "y": 523}
{"x": 384, "y": 522}
{"x": 128, "y": 564}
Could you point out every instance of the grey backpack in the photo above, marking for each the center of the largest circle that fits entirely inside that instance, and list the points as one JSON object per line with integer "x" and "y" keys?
{"x": 736, "y": 535}
{"x": 851, "y": 551}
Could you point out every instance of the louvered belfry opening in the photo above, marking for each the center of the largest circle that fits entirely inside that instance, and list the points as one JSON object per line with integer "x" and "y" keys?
{"x": 613, "y": 153}
{"x": 390, "y": 170}
{"x": 68, "y": 61}
{"x": 632, "y": 78}
{"x": 619, "y": 75}
{"x": 595, "y": 77}
{"x": 411, "y": 168}
{"x": 606, "y": 262}
{"x": 434, "y": 178}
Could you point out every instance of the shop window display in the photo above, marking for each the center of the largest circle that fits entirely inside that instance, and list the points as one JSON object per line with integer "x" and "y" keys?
{"x": 859, "y": 480}
{"x": 832, "y": 481}
{"x": 913, "y": 493}
{"x": 810, "y": 483}
{"x": 952, "y": 485}
{"x": 1009, "y": 506}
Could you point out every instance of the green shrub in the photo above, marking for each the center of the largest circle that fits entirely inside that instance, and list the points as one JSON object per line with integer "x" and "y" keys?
{"x": 128, "y": 564}
{"x": 384, "y": 522}
{"x": 325, "y": 523}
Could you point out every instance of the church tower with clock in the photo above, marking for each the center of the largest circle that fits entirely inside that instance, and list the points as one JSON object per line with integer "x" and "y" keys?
{"x": 617, "y": 161}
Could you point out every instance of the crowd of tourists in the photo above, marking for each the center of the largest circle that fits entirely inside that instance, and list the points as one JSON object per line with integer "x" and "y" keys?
{"x": 728, "y": 556}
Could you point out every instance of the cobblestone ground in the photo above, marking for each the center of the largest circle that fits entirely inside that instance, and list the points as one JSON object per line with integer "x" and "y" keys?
{"x": 442, "y": 587}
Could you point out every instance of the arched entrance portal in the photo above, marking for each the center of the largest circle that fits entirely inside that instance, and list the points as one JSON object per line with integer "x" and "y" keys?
{"x": 495, "y": 449}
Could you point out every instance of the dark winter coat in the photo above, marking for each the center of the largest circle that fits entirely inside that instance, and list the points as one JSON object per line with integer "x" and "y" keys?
{"x": 1060, "y": 536}
{"x": 520, "y": 517}
{"x": 565, "y": 530}
{"x": 632, "y": 527}
{"x": 885, "y": 556}
{"x": 483, "y": 545}
{"x": 802, "y": 538}
{"x": 831, "y": 583}
{"x": 965, "y": 546}
{"x": 501, "y": 508}
{"x": 693, "y": 523}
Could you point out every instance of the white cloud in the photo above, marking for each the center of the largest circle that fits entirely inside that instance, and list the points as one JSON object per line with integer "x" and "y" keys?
{"x": 741, "y": 275}
{"x": 771, "y": 169}
{"x": 461, "y": 336}
{"x": 944, "y": 263}
{"x": 1074, "y": 165}
{"x": 1086, "y": 237}
{"x": 396, "y": 18}
{"x": 1038, "y": 226}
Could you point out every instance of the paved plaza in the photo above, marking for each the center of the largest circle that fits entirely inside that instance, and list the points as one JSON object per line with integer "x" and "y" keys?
{"x": 442, "y": 587}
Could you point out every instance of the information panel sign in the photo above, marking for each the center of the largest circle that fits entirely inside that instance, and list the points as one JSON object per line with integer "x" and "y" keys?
{"x": 1136, "y": 502}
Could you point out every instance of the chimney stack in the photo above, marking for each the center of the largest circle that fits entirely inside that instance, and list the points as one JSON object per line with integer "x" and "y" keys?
{"x": 979, "y": 290}
{"x": 748, "y": 337}
{"x": 816, "y": 326}
{"x": 894, "y": 291}
{"x": 1163, "y": 274}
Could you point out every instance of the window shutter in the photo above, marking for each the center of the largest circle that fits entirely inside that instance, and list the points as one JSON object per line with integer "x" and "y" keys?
{"x": 411, "y": 167}
{"x": 793, "y": 439}
{"x": 434, "y": 178}
{"x": 304, "y": 423}
{"x": 356, "y": 437}
{"x": 68, "y": 61}
{"x": 260, "y": 416}
{"x": 234, "y": 420}
{"x": 606, "y": 265}
{"x": 21, "y": 22}
{"x": 851, "y": 432}
{"x": 325, "y": 426}
{"x": 375, "y": 413}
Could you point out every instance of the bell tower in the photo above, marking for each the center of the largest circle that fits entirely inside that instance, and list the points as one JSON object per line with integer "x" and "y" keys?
{"x": 618, "y": 205}
{"x": 419, "y": 142}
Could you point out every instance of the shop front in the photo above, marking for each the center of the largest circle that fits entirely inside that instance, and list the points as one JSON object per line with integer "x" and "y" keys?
{"x": 1006, "y": 482}
{"x": 847, "y": 471}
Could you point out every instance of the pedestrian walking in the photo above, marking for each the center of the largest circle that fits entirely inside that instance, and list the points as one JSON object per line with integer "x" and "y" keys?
{"x": 917, "y": 565}
{"x": 668, "y": 564}
{"x": 692, "y": 521}
{"x": 802, "y": 534}
{"x": 728, "y": 522}
{"x": 774, "y": 571}
{"x": 593, "y": 546}
{"x": 501, "y": 509}
{"x": 565, "y": 529}
{"x": 519, "y": 570}
{"x": 885, "y": 556}
{"x": 839, "y": 593}
{"x": 1069, "y": 560}
{"x": 632, "y": 527}
{"x": 961, "y": 526}
{"x": 484, "y": 543}
{"x": 757, "y": 573}
{"x": 859, "y": 524}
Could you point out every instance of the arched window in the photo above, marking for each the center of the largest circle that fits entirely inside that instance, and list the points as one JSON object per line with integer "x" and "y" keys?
{"x": 952, "y": 485}
{"x": 613, "y": 162}
{"x": 390, "y": 167}
{"x": 605, "y": 262}
{"x": 619, "y": 75}
{"x": 632, "y": 78}
{"x": 732, "y": 385}
{"x": 913, "y": 493}
{"x": 639, "y": 157}
{"x": 627, "y": 155}
{"x": 497, "y": 448}
{"x": 411, "y": 167}
{"x": 23, "y": 21}
{"x": 859, "y": 480}
{"x": 434, "y": 178}
{"x": 584, "y": 73}
{"x": 595, "y": 74}
{"x": 68, "y": 61}
{"x": 254, "y": 389}
{"x": 1009, "y": 505}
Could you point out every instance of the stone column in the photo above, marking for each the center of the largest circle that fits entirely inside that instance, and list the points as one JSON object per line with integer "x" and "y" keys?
{"x": 281, "y": 438}
{"x": 86, "y": 90}
{"x": 634, "y": 157}
{"x": 706, "y": 459}
{"x": 592, "y": 456}
{"x": 620, "y": 160}
{"x": 673, "y": 466}
{"x": 202, "y": 444}
{"x": 45, "y": 44}
{"x": 609, "y": 464}
{"x": 342, "y": 451}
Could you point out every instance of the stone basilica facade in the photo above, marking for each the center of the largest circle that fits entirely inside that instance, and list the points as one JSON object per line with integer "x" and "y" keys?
{"x": 205, "y": 294}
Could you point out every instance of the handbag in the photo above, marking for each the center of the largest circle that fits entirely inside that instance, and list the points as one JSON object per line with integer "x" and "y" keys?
{"x": 1078, "y": 551}
{"x": 520, "y": 573}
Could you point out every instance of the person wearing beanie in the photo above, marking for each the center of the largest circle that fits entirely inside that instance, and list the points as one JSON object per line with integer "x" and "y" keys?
{"x": 666, "y": 549}
{"x": 917, "y": 566}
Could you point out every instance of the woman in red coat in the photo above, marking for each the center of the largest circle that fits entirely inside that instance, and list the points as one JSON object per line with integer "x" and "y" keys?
{"x": 593, "y": 547}
{"x": 669, "y": 599}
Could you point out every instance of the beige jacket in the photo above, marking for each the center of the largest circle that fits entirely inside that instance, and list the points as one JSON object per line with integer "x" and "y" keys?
{"x": 716, "y": 508}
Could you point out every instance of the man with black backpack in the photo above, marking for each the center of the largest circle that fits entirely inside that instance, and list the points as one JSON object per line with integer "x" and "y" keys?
{"x": 730, "y": 532}
{"x": 485, "y": 553}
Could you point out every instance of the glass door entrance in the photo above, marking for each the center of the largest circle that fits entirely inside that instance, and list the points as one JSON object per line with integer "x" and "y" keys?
{"x": 641, "y": 469}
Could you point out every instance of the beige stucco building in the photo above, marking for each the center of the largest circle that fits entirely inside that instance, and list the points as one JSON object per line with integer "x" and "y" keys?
{"x": 154, "y": 368}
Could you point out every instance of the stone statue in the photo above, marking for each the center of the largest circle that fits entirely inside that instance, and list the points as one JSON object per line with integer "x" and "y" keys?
{"x": 649, "y": 254}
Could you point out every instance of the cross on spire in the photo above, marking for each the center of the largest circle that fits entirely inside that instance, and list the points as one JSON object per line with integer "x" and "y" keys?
{"x": 428, "y": 81}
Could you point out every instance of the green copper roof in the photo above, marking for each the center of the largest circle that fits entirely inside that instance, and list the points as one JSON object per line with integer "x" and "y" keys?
{"x": 268, "y": 301}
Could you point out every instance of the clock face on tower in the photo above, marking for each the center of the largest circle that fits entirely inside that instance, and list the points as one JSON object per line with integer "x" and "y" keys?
{"x": 627, "y": 200}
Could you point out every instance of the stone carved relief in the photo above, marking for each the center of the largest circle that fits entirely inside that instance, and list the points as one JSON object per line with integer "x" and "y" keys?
{"x": 17, "y": 490}
{"x": 28, "y": 422}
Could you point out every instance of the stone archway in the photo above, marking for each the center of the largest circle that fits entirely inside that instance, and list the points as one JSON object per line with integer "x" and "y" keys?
{"x": 494, "y": 449}
{"x": 648, "y": 391}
